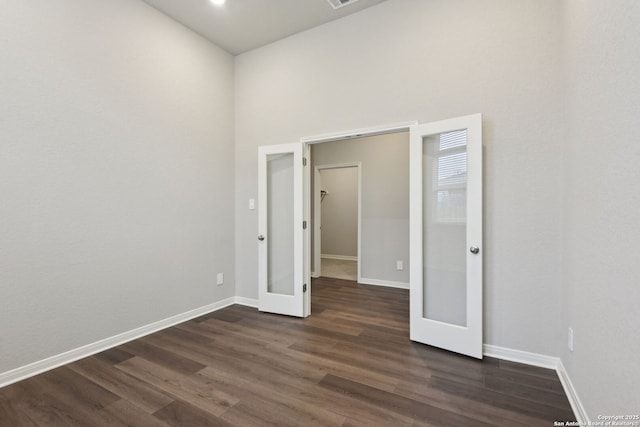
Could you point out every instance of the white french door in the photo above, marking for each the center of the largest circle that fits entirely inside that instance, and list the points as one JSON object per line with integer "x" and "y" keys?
{"x": 446, "y": 234}
{"x": 280, "y": 229}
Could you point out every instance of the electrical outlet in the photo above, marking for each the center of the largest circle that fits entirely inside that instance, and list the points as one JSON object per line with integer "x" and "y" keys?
{"x": 570, "y": 340}
{"x": 252, "y": 204}
{"x": 220, "y": 280}
{"x": 399, "y": 265}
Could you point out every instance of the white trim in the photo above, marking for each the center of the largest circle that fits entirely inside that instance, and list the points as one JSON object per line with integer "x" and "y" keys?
{"x": 520, "y": 356}
{"x": 543, "y": 361}
{"x": 387, "y": 283}
{"x": 314, "y": 275}
{"x": 44, "y": 365}
{"x": 306, "y": 200}
{"x": 247, "y": 302}
{"x": 358, "y": 133}
{"x": 339, "y": 257}
{"x": 572, "y": 395}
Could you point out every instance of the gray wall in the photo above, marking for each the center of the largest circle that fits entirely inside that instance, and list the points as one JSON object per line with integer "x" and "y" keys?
{"x": 385, "y": 199}
{"x": 116, "y": 173}
{"x": 602, "y": 277}
{"x": 340, "y": 212}
{"x": 430, "y": 60}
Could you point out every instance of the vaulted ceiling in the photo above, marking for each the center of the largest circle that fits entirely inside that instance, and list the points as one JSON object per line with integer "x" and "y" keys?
{"x": 241, "y": 25}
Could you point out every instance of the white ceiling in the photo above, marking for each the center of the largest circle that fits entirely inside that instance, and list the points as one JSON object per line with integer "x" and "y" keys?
{"x": 242, "y": 25}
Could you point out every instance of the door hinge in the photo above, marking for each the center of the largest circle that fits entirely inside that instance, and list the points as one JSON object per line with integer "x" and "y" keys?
{"x": 304, "y": 161}
{"x": 304, "y": 288}
{"x": 304, "y": 225}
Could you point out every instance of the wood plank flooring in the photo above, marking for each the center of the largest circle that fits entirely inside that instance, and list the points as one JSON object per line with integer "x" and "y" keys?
{"x": 350, "y": 364}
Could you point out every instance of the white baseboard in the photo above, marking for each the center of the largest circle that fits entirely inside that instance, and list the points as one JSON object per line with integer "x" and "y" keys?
{"x": 70, "y": 356}
{"x": 543, "y": 361}
{"x": 249, "y": 302}
{"x": 340, "y": 257}
{"x": 572, "y": 395}
{"x": 520, "y": 356}
{"x": 387, "y": 283}
{"x": 314, "y": 275}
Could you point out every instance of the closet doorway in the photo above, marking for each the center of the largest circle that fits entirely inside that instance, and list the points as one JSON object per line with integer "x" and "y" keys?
{"x": 337, "y": 217}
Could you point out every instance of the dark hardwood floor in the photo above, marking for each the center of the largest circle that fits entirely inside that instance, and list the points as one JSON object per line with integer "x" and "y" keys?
{"x": 350, "y": 364}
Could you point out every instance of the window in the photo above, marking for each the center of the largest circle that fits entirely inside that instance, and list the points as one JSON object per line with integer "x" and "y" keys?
{"x": 450, "y": 178}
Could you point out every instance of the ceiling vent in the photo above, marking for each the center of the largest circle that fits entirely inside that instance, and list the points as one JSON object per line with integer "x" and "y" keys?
{"x": 337, "y": 4}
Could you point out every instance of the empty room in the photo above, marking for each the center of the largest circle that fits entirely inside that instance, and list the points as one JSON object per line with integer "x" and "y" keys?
{"x": 161, "y": 228}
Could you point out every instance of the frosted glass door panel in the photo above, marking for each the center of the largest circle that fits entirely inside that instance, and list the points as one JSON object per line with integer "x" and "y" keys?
{"x": 444, "y": 216}
{"x": 280, "y": 234}
{"x": 280, "y": 220}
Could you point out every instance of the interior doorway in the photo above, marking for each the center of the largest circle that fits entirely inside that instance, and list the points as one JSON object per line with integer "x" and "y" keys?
{"x": 337, "y": 214}
{"x": 382, "y": 161}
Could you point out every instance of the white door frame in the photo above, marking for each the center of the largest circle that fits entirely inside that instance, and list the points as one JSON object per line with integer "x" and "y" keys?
{"x": 317, "y": 214}
{"x": 358, "y": 133}
{"x": 307, "y": 142}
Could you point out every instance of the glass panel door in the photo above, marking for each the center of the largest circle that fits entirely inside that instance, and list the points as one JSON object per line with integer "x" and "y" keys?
{"x": 446, "y": 234}
{"x": 280, "y": 232}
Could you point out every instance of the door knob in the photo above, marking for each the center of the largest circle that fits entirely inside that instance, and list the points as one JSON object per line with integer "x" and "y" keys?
{"x": 261, "y": 237}
{"x": 474, "y": 250}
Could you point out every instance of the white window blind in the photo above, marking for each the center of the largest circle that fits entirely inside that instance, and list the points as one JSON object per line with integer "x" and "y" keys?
{"x": 453, "y": 139}
{"x": 451, "y": 177}
{"x": 452, "y": 169}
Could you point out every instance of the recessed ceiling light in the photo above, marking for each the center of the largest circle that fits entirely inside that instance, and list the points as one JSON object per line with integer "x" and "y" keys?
{"x": 217, "y": 2}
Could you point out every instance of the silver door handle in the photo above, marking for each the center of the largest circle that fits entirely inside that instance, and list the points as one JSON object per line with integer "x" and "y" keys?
{"x": 474, "y": 250}
{"x": 261, "y": 237}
